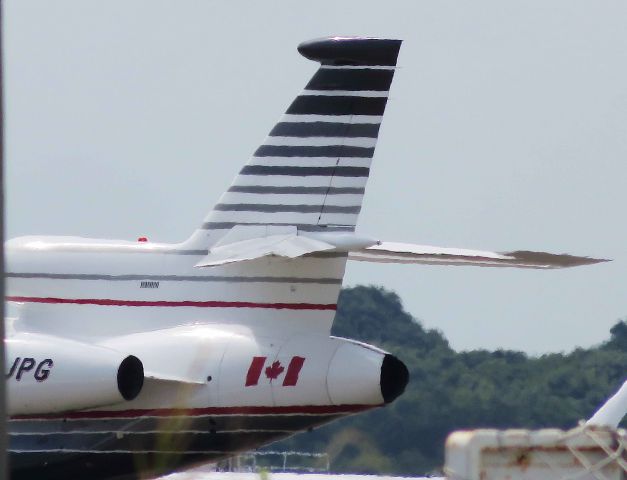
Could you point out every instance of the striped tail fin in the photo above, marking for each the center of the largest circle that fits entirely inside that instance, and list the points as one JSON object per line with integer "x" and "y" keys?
{"x": 311, "y": 171}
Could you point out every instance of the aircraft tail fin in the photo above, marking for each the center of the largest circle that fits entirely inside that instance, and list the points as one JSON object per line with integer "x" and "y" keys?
{"x": 613, "y": 410}
{"x": 311, "y": 171}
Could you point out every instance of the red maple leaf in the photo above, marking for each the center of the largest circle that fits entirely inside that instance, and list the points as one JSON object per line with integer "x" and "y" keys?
{"x": 273, "y": 371}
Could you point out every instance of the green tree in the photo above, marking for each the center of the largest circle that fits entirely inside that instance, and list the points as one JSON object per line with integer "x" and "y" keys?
{"x": 451, "y": 390}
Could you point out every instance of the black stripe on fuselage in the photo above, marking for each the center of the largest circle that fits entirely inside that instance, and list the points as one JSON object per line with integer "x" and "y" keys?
{"x": 305, "y": 171}
{"x": 209, "y": 441}
{"x": 223, "y": 423}
{"x": 326, "y": 255}
{"x": 333, "y": 151}
{"x": 263, "y": 189}
{"x": 325, "y": 129}
{"x": 182, "y": 252}
{"x": 171, "y": 278}
{"x": 129, "y": 455}
{"x": 304, "y": 227}
{"x": 353, "y": 80}
{"x": 275, "y": 208}
{"x": 323, "y": 105}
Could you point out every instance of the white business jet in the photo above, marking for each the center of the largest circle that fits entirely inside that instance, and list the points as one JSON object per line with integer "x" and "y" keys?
{"x": 133, "y": 359}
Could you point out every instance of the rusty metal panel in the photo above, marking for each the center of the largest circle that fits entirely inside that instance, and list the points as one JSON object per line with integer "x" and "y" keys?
{"x": 585, "y": 453}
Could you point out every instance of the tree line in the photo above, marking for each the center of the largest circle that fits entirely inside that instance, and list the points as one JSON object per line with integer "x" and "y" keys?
{"x": 452, "y": 390}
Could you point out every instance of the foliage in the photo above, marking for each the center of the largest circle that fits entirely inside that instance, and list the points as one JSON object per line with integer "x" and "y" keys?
{"x": 452, "y": 390}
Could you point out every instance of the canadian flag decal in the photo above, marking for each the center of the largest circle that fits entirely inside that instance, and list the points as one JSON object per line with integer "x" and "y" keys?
{"x": 274, "y": 370}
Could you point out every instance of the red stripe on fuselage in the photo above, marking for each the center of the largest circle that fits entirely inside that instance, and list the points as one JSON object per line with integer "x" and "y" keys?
{"x": 195, "y": 412}
{"x": 165, "y": 303}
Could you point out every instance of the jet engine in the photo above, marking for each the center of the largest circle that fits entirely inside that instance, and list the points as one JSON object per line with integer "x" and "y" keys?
{"x": 225, "y": 366}
{"x": 308, "y": 370}
{"x": 51, "y": 374}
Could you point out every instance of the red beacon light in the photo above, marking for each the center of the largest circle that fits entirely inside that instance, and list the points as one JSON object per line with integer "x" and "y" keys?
{"x": 142, "y": 239}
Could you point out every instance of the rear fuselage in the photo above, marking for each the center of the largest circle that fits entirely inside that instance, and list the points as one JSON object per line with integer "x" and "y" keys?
{"x": 163, "y": 285}
{"x": 234, "y": 357}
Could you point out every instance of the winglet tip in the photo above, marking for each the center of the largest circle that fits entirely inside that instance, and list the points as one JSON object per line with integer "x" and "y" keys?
{"x": 338, "y": 50}
{"x": 551, "y": 260}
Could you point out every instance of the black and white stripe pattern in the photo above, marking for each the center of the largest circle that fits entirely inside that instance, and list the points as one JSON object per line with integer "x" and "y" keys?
{"x": 54, "y": 449}
{"x": 312, "y": 169}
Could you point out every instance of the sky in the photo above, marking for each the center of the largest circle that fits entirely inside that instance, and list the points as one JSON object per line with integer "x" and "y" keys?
{"x": 506, "y": 129}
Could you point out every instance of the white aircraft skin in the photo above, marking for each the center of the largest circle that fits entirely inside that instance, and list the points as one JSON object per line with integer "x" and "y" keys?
{"x": 133, "y": 359}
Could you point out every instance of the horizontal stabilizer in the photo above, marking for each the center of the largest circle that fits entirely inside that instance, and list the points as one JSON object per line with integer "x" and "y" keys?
{"x": 242, "y": 243}
{"x": 392, "y": 252}
{"x": 286, "y": 246}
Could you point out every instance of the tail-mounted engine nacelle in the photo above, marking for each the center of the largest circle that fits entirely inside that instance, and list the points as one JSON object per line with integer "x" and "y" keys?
{"x": 308, "y": 370}
{"x": 49, "y": 374}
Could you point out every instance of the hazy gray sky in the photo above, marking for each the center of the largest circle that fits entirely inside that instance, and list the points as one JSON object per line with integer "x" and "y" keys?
{"x": 506, "y": 129}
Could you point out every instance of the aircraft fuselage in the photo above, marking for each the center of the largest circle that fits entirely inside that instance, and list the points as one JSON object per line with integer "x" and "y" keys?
{"x": 225, "y": 369}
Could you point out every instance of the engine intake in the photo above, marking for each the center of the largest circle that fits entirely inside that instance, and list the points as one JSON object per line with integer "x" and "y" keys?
{"x": 394, "y": 378}
{"x": 48, "y": 374}
{"x": 130, "y": 377}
